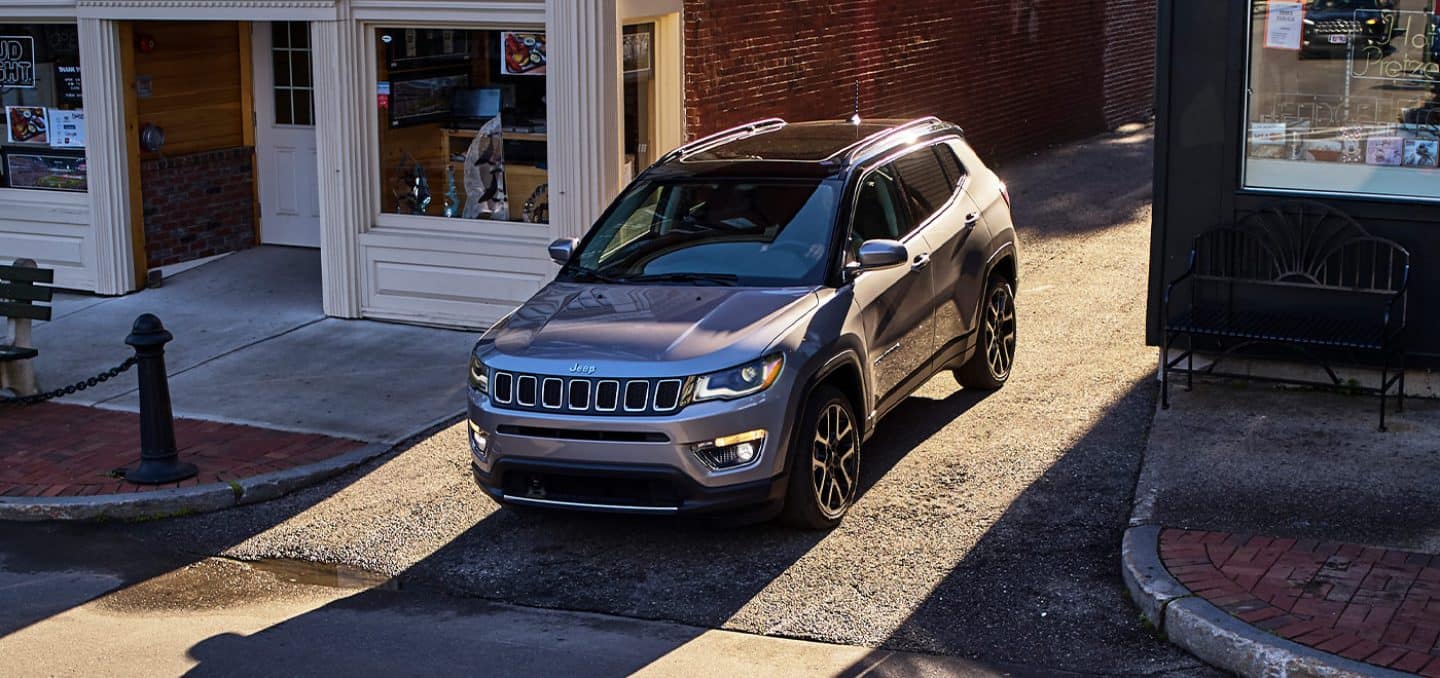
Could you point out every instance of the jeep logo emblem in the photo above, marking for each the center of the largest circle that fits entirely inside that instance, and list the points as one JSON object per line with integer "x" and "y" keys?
{"x": 581, "y": 368}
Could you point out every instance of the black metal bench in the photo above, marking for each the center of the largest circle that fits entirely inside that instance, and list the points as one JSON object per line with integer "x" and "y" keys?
{"x": 1299, "y": 275}
{"x": 22, "y": 299}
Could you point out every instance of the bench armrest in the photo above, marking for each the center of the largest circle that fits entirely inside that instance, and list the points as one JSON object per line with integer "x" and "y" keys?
{"x": 1393, "y": 319}
{"x": 1170, "y": 289}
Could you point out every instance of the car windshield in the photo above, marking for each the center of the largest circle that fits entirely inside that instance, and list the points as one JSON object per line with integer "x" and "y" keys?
{"x": 770, "y": 233}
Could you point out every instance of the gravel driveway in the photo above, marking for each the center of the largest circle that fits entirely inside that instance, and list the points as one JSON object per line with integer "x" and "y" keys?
{"x": 989, "y": 526}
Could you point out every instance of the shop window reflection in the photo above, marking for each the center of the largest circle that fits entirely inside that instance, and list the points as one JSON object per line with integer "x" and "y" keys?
{"x": 41, "y": 98}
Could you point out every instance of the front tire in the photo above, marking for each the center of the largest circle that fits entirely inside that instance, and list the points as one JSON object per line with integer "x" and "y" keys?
{"x": 994, "y": 358}
{"x": 824, "y": 463}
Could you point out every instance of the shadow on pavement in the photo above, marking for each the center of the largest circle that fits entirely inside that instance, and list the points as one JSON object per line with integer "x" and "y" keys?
{"x": 641, "y": 568}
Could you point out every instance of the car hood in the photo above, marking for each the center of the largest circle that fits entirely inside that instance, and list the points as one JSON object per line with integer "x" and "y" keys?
{"x": 571, "y": 321}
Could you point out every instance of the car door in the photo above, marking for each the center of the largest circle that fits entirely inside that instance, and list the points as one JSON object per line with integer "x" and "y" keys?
{"x": 893, "y": 302}
{"x": 952, "y": 223}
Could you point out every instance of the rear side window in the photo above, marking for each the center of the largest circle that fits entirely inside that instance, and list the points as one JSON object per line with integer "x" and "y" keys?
{"x": 953, "y": 170}
{"x": 880, "y": 213}
{"x": 926, "y": 186}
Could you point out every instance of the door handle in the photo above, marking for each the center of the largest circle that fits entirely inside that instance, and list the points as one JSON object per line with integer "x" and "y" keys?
{"x": 971, "y": 219}
{"x": 920, "y": 261}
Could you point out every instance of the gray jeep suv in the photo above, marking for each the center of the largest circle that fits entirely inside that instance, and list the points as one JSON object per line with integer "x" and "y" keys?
{"x": 730, "y": 332}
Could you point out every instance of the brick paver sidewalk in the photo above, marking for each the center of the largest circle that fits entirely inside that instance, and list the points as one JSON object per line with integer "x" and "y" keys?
{"x": 52, "y": 450}
{"x": 1374, "y": 605}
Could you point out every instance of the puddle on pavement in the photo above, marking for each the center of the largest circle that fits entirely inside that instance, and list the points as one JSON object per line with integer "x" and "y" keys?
{"x": 217, "y": 583}
{"x": 325, "y": 574}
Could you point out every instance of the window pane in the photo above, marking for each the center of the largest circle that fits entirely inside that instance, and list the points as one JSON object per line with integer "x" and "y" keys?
{"x": 1342, "y": 97}
{"x": 283, "y": 115}
{"x": 300, "y": 69}
{"x": 879, "y": 213}
{"x": 925, "y": 183}
{"x": 304, "y": 107}
{"x": 462, "y": 123}
{"x": 953, "y": 171}
{"x": 280, "y": 34}
{"x": 41, "y": 107}
{"x": 281, "y": 61}
{"x": 299, "y": 34}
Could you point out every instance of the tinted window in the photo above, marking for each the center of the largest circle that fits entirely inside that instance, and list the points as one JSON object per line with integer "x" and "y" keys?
{"x": 756, "y": 233}
{"x": 953, "y": 171}
{"x": 880, "y": 212}
{"x": 925, "y": 183}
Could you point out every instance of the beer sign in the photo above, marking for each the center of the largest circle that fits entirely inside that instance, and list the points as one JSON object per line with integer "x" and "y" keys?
{"x": 17, "y": 61}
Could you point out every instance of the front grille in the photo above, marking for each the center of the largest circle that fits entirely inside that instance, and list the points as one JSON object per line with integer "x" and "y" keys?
{"x": 586, "y": 395}
{"x": 1337, "y": 27}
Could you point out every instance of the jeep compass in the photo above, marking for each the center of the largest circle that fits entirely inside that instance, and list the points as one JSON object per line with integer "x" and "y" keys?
{"x": 730, "y": 332}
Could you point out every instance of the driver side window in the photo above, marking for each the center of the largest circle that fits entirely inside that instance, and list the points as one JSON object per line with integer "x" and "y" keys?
{"x": 880, "y": 212}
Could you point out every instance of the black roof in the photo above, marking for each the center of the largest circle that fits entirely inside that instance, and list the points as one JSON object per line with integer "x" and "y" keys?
{"x": 783, "y": 150}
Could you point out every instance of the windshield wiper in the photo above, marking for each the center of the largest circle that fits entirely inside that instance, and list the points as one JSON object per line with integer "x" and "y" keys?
{"x": 578, "y": 272}
{"x": 716, "y": 278}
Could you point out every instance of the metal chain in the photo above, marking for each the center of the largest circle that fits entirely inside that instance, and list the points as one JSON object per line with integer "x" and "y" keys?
{"x": 76, "y": 387}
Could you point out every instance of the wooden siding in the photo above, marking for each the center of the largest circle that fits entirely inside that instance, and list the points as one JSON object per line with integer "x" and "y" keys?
{"x": 197, "y": 84}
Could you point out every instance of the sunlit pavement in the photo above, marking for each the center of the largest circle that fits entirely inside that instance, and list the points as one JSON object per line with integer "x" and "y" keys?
{"x": 989, "y": 527}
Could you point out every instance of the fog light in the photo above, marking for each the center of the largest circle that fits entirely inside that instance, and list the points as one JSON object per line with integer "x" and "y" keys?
{"x": 731, "y": 451}
{"x": 479, "y": 441}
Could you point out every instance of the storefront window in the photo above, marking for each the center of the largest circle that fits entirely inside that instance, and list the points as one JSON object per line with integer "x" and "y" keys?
{"x": 43, "y": 145}
{"x": 462, "y": 123}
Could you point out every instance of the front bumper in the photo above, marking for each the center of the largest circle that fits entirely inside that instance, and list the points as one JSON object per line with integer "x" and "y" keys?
{"x": 642, "y": 465}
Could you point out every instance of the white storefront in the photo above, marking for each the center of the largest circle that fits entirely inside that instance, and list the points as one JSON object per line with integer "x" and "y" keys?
{"x": 385, "y": 87}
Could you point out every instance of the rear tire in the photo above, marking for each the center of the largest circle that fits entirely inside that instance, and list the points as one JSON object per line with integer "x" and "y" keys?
{"x": 824, "y": 462}
{"x": 989, "y": 368}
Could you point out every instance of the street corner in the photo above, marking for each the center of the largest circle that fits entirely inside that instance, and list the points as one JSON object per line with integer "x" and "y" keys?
{"x": 68, "y": 462}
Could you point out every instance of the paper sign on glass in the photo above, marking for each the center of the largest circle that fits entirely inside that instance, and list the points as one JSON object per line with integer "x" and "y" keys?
{"x": 1284, "y": 24}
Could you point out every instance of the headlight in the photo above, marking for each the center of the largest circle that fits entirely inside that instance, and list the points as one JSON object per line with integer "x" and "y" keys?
{"x": 479, "y": 379}
{"x": 739, "y": 382}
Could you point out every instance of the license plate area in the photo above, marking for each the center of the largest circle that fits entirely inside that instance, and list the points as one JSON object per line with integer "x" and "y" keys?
{"x": 1339, "y": 39}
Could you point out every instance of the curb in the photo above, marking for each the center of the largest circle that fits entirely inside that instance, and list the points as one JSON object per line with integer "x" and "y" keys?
{"x": 1210, "y": 633}
{"x": 186, "y": 500}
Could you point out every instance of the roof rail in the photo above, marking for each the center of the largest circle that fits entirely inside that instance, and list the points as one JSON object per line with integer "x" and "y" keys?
{"x": 852, "y": 152}
{"x": 707, "y": 142}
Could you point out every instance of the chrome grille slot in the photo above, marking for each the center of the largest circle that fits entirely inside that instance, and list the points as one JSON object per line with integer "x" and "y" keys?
{"x": 579, "y": 395}
{"x": 502, "y": 387}
{"x": 525, "y": 390}
{"x": 607, "y": 395}
{"x": 637, "y": 395}
{"x": 667, "y": 394}
{"x": 552, "y": 393}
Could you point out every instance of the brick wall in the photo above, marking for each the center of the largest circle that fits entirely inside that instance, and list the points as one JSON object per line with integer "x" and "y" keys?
{"x": 198, "y": 205}
{"x": 1017, "y": 74}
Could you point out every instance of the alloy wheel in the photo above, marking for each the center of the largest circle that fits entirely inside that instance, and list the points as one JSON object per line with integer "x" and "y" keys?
{"x": 834, "y": 461}
{"x": 1000, "y": 332}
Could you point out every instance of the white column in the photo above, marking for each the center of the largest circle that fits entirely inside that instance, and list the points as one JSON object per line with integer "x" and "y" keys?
{"x": 340, "y": 74}
{"x": 582, "y": 86}
{"x": 107, "y": 155}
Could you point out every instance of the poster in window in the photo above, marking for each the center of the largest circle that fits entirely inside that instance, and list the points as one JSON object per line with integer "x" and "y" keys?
{"x": 67, "y": 129}
{"x": 1284, "y": 24}
{"x": 635, "y": 52}
{"x": 17, "y": 61}
{"x": 26, "y": 125}
{"x": 46, "y": 170}
{"x": 1421, "y": 152}
{"x": 1384, "y": 150}
{"x": 522, "y": 53}
{"x": 67, "y": 86}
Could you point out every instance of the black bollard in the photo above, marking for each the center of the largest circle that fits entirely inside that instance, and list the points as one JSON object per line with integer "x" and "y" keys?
{"x": 159, "y": 460}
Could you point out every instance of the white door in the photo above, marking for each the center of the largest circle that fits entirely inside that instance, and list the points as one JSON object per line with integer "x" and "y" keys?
{"x": 285, "y": 134}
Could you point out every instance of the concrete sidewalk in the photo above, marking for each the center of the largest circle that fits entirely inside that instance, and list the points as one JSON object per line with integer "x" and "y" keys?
{"x": 252, "y": 346}
{"x": 1277, "y": 532}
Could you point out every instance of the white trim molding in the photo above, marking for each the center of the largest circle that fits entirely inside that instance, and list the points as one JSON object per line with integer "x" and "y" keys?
{"x": 37, "y": 9}
{"x": 210, "y": 10}
{"x": 340, "y": 131}
{"x": 107, "y": 156}
{"x": 491, "y": 13}
{"x": 583, "y": 87}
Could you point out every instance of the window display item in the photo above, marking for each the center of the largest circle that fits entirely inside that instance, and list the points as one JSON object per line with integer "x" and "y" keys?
{"x": 523, "y": 53}
{"x": 485, "y": 175}
{"x": 1384, "y": 150}
{"x": 452, "y": 200}
{"x": 67, "y": 129}
{"x": 472, "y": 107}
{"x": 1421, "y": 152}
{"x": 44, "y": 170}
{"x": 26, "y": 125}
{"x": 412, "y": 196}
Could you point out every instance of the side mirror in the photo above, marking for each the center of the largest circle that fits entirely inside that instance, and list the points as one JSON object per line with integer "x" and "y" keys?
{"x": 875, "y": 254}
{"x": 562, "y": 250}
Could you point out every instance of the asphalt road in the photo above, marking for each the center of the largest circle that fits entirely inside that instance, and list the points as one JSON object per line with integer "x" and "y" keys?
{"x": 989, "y": 526}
